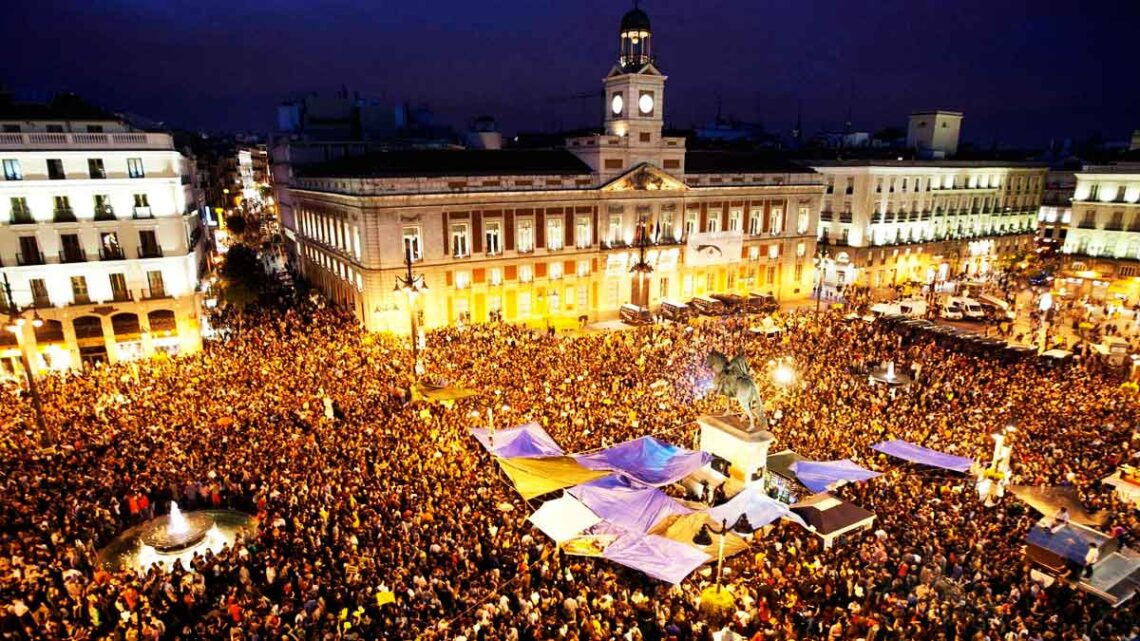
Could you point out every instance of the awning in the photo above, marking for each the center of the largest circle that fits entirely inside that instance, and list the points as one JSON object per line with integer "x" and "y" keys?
{"x": 524, "y": 440}
{"x": 537, "y": 476}
{"x": 647, "y": 460}
{"x": 563, "y": 518}
{"x": 926, "y": 456}
{"x": 819, "y": 476}
{"x": 656, "y": 556}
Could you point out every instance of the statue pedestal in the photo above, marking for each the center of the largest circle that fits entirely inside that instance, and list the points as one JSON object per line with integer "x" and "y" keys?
{"x": 729, "y": 438}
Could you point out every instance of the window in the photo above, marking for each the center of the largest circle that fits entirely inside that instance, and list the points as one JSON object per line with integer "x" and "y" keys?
{"x": 94, "y": 129}
{"x": 830, "y": 184}
{"x": 119, "y": 289}
{"x": 582, "y": 232}
{"x": 773, "y": 251}
{"x": 524, "y": 304}
{"x": 29, "y": 251}
{"x": 72, "y": 251}
{"x": 462, "y": 280}
{"x": 850, "y": 189}
{"x": 135, "y": 168}
{"x": 493, "y": 235}
{"x": 613, "y": 235}
{"x": 663, "y": 287}
{"x": 526, "y": 273}
{"x": 772, "y": 274}
{"x": 54, "y": 129}
{"x": 11, "y": 129}
{"x": 148, "y": 244}
{"x": 525, "y": 235}
{"x": 666, "y": 231}
{"x": 554, "y": 235}
{"x": 879, "y": 186}
{"x": 776, "y": 222}
{"x": 20, "y": 211}
{"x": 109, "y": 248}
{"x": 103, "y": 209}
{"x": 713, "y": 223}
{"x": 12, "y": 170}
{"x": 495, "y": 276}
{"x": 55, "y": 169}
{"x": 459, "y": 246}
{"x": 710, "y": 282}
{"x": 731, "y": 283}
{"x": 756, "y": 222}
{"x": 412, "y": 246}
{"x": 142, "y": 206}
{"x": 155, "y": 283}
{"x": 95, "y": 168}
{"x": 803, "y": 218}
{"x": 691, "y": 218}
{"x": 583, "y": 268}
{"x": 554, "y": 270}
{"x": 40, "y": 296}
{"x": 734, "y": 220}
{"x": 79, "y": 293}
{"x": 801, "y": 250}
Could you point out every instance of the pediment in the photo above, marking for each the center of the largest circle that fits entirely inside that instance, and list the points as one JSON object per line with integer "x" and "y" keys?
{"x": 645, "y": 177}
{"x": 647, "y": 70}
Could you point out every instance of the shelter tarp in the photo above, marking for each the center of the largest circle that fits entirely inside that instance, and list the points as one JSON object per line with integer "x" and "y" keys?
{"x": 563, "y": 518}
{"x": 1048, "y": 500}
{"x": 648, "y": 460}
{"x": 818, "y": 476}
{"x": 682, "y": 528}
{"x": 594, "y": 540}
{"x": 760, "y": 509}
{"x": 524, "y": 440}
{"x": 656, "y": 556}
{"x": 926, "y": 456}
{"x": 634, "y": 507}
{"x": 537, "y": 476}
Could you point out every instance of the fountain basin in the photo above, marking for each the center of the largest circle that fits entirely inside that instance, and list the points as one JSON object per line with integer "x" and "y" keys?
{"x": 129, "y": 551}
{"x": 167, "y": 534}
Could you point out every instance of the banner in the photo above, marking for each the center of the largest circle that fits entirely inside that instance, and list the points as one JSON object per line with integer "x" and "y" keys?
{"x": 713, "y": 248}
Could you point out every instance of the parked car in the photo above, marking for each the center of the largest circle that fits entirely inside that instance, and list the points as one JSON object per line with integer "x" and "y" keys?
{"x": 708, "y": 306}
{"x": 762, "y": 303}
{"x": 674, "y": 311}
{"x": 971, "y": 310}
{"x": 732, "y": 302}
{"x": 635, "y": 315}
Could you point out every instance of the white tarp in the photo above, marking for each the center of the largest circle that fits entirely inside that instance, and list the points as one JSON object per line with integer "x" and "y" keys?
{"x": 563, "y": 518}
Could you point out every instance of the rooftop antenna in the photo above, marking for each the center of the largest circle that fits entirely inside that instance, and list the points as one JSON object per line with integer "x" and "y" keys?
{"x": 798, "y": 132}
{"x": 850, "y": 103}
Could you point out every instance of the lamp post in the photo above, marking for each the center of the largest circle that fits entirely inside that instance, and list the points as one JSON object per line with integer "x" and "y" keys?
{"x": 16, "y": 326}
{"x": 703, "y": 537}
{"x": 1045, "y": 305}
{"x": 822, "y": 253}
{"x": 995, "y": 477}
{"x": 784, "y": 375}
{"x": 641, "y": 269}
{"x": 412, "y": 285}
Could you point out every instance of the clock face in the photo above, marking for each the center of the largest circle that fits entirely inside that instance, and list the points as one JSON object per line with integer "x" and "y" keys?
{"x": 645, "y": 103}
{"x": 617, "y": 104}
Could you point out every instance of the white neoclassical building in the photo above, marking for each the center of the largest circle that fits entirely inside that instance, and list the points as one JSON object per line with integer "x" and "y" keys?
{"x": 1103, "y": 240}
{"x": 553, "y": 235}
{"x": 98, "y": 238}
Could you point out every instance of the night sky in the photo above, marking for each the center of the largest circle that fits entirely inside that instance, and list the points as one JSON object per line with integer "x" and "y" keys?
{"x": 1023, "y": 71}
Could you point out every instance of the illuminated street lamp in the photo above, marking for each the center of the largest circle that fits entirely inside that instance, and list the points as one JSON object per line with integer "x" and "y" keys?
{"x": 1046, "y": 306}
{"x": 992, "y": 482}
{"x": 703, "y": 538}
{"x": 641, "y": 270}
{"x": 784, "y": 375}
{"x": 822, "y": 254}
{"x": 412, "y": 285}
{"x": 15, "y": 325}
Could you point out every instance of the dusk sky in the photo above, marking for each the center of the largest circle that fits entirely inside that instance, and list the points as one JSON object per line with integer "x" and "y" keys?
{"x": 1022, "y": 71}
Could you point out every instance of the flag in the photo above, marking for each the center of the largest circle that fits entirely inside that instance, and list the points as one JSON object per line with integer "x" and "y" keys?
{"x": 385, "y": 596}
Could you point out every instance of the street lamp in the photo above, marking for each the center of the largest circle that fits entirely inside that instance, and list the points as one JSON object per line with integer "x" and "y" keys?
{"x": 784, "y": 375}
{"x": 703, "y": 538}
{"x": 412, "y": 285}
{"x": 822, "y": 253}
{"x": 1045, "y": 305}
{"x": 994, "y": 478}
{"x": 641, "y": 269}
{"x": 15, "y": 325}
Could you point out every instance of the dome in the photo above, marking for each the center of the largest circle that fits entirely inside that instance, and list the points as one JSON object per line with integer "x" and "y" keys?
{"x": 635, "y": 20}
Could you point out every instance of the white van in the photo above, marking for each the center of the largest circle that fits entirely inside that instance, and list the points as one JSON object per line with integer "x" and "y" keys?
{"x": 879, "y": 310}
{"x": 972, "y": 310}
{"x": 997, "y": 308}
{"x": 913, "y": 307}
{"x": 951, "y": 309}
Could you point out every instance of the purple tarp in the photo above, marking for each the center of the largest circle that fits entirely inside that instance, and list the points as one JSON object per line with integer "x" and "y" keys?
{"x": 647, "y": 460}
{"x": 619, "y": 501}
{"x": 525, "y": 440}
{"x": 926, "y": 456}
{"x": 760, "y": 509}
{"x": 656, "y": 556}
{"x": 818, "y": 476}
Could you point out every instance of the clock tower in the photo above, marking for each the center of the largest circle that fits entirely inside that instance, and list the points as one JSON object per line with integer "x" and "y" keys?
{"x": 634, "y": 108}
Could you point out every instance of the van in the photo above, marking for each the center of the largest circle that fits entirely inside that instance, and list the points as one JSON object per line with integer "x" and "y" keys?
{"x": 708, "y": 306}
{"x": 879, "y": 310}
{"x": 635, "y": 315}
{"x": 913, "y": 307}
{"x": 951, "y": 309}
{"x": 996, "y": 308}
{"x": 673, "y": 311}
{"x": 971, "y": 310}
{"x": 732, "y": 302}
{"x": 761, "y": 303}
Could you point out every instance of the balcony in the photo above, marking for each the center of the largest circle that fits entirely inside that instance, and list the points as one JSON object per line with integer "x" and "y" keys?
{"x": 112, "y": 253}
{"x": 22, "y": 217}
{"x": 1087, "y": 224}
{"x": 844, "y": 218}
{"x": 80, "y": 299}
{"x": 72, "y": 257}
{"x": 150, "y": 251}
{"x": 142, "y": 213}
{"x": 1114, "y": 226}
{"x": 121, "y": 296}
{"x": 104, "y": 213}
{"x": 41, "y": 301}
{"x": 64, "y": 215}
{"x": 152, "y": 293}
{"x": 123, "y": 141}
{"x": 35, "y": 258}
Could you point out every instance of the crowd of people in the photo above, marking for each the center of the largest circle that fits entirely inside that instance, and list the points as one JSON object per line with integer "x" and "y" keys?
{"x": 384, "y": 519}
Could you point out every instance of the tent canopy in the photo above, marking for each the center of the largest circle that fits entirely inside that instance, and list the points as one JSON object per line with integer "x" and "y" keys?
{"x": 647, "y": 460}
{"x": 537, "y": 476}
{"x": 563, "y": 518}
{"x": 627, "y": 505}
{"x": 759, "y": 508}
{"x": 818, "y": 476}
{"x": 524, "y": 440}
{"x": 683, "y": 527}
{"x": 656, "y": 556}
{"x": 1049, "y": 499}
{"x": 926, "y": 456}
{"x": 828, "y": 514}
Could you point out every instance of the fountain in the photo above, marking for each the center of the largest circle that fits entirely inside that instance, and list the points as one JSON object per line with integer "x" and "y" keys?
{"x": 890, "y": 377}
{"x": 176, "y": 537}
{"x": 886, "y": 375}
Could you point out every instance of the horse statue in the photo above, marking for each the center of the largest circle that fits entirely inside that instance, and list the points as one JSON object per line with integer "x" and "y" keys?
{"x": 734, "y": 380}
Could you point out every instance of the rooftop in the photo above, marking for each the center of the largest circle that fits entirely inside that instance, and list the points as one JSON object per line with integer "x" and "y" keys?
{"x": 883, "y": 162}
{"x": 414, "y": 163}
{"x": 62, "y": 107}
{"x": 722, "y": 162}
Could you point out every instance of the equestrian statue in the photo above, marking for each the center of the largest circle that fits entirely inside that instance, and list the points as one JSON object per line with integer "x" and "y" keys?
{"x": 734, "y": 381}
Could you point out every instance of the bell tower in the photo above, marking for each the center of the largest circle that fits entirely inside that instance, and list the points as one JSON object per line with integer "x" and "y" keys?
{"x": 635, "y": 88}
